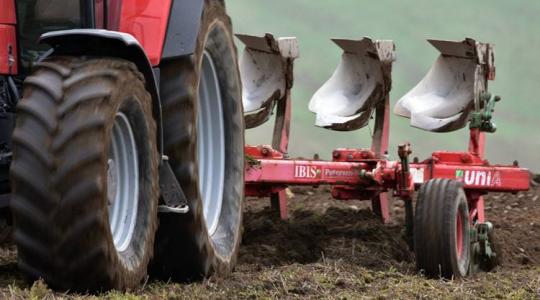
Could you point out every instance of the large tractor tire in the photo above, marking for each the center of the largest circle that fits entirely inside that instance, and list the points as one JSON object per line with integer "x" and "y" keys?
{"x": 5, "y": 226}
{"x": 441, "y": 230}
{"x": 204, "y": 138}
{"x": 85, "y": 175}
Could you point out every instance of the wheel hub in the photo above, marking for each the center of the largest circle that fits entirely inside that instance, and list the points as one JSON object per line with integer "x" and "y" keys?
{"x": 122, "y": 182}
{"x": 211, "y": 144}
{"x": 111, "y": 181}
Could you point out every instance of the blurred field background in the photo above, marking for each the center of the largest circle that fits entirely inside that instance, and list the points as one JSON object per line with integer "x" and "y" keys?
{"x": 513, "y": 26}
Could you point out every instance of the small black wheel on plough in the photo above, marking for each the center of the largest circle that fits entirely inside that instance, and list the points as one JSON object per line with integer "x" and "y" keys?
{"x": 441, "y": 229}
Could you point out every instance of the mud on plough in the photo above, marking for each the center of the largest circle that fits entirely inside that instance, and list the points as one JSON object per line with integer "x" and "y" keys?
{"x": 447, "y": 229}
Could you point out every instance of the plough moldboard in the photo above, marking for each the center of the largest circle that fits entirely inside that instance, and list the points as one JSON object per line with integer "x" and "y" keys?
{"x": 448, "y": 229}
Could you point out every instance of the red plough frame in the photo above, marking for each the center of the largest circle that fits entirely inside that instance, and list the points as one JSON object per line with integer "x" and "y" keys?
{"x": 460, "y": 73}
{"x": 366, "y": 174}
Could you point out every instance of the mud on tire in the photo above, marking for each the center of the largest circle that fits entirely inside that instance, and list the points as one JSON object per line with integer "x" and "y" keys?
{"x": 61, "y": 173}
{"x": 186, "y": 249}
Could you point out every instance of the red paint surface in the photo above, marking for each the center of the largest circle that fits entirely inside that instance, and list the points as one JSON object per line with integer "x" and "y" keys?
{"x": 480, "y": 214}
{"x": 283, "y": 172}
{"x": 379, "y": 145}
{"x": 112, "y": 19}
{"x": 147, "y": 21}
{"x": 381, "y": 132}
{"x": 8, "y": 37}
{"x": 282, "y": 126}
{"x": 459, "y": 236}
{"x": 280, "y": 141}
{"x": 7, "y": 12}
{"x": 382, "y": 198}
{"x": 477, "y": 144}
{"x": 279, "y": 204}
{"x": 511, "y": 179}
{"x": 99, "y": 12}
{"x": 8, "y": 47}
{"x": 277, "y": 171}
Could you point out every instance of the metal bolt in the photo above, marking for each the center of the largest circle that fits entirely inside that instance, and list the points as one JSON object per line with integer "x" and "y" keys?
{"x": 265, "y": 151}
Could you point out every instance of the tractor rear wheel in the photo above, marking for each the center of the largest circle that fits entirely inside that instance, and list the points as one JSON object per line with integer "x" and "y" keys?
{"x": 441, "y": 229}
{"x": 85, "y": 175}
{"x": 204, "y": 140}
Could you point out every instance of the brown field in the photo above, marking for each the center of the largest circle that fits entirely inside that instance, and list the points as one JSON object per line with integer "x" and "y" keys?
{"x": 332, "y": 249}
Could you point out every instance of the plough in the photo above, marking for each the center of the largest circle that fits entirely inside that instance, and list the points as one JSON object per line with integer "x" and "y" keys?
{"x": 448, "y": 229}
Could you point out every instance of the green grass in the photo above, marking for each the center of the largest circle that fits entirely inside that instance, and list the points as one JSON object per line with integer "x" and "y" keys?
{"x": 511, "y": 25}
{"x": 331, "y": 279}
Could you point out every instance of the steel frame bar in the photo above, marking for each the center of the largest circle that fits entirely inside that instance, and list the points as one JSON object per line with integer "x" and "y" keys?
{"x": 305, "y": 172}
{"x": 379, "y": 145}
{"x": 475, "y": 177}
{"x": 366, "y": 174}
{"x": 280, "y": 138}
{"x": 362, "y": 174}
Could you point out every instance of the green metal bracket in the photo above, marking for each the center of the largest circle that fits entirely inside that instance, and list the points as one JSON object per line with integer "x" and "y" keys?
{"x": 483, "y": 256}
{"x": 483, "y": 239}
{"x": 482, "y": 119}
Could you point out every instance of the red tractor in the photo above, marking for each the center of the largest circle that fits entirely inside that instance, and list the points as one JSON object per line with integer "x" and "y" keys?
{"x": 118, "y": 105}
{"x": 122, "y": 141}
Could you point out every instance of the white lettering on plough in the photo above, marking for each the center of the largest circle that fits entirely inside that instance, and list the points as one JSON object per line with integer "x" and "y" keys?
{"x": 339, "y": 173}
{"x": 479, "y": 178}
{"x": 310, "y": 172}
{"x": 302, "y": 171}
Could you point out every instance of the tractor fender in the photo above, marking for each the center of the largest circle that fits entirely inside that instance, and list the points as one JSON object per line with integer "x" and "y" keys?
{"x": 99, "y": 42}
{"x": 183, "y": 28}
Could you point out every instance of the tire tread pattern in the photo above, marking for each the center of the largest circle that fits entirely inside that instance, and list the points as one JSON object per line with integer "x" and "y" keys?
{"x": 184, "y": 250}
{"x": 61, "y": 232}
{"x": 434, "y": 228}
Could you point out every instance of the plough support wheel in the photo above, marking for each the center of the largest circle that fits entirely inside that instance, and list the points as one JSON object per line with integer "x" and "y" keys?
{"x": 441, "y": 229}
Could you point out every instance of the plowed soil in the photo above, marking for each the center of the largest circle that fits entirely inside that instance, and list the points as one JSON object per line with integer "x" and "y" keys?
{"x": 331, "y": 249}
